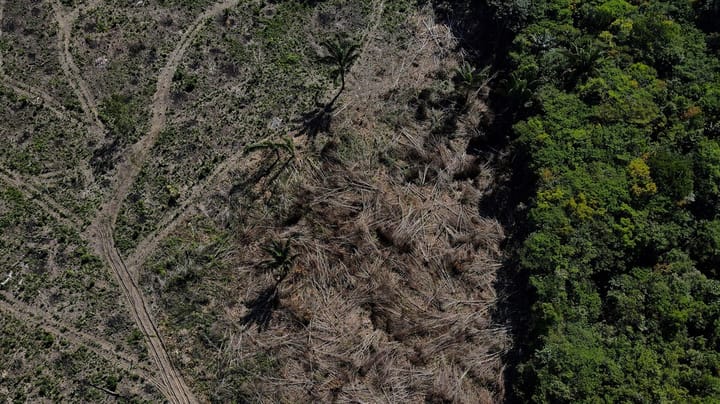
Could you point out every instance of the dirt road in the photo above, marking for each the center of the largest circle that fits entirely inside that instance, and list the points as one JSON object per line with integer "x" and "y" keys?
{"x": 100, "y": 232}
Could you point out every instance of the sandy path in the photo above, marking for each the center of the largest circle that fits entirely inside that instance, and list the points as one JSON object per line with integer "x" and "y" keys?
{"x": 101, "y": 230}
{"x": 72, "y": 72}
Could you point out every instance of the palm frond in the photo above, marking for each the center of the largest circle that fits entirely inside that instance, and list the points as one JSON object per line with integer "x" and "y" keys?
{"x": 469, "y": 77}
{"x": 281, "y": 259}
{"x": 340, "y": 51}
{"x": 286, "y": 144}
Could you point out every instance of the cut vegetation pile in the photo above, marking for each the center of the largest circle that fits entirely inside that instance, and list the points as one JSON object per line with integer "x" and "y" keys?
{"x": 369, "y": 269}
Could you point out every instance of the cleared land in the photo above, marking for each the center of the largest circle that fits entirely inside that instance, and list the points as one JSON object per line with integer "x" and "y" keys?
{"x": 147, "y": 254}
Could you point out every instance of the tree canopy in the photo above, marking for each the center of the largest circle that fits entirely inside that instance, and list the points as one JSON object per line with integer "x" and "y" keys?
{"x": 617, "y": 105}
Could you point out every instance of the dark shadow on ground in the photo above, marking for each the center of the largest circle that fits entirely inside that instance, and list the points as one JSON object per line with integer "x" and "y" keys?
{"x": 484, "y": 42}
{"x": 507, "y": 202}
{"x": 262, "y": 308}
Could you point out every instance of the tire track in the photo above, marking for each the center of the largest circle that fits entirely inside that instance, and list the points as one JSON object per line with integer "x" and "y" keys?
{"x": 34, "y": 93}
{"x": 72, "y": 72}
{"x": 175, "y": 386}
{"x": 54, "y": 209}
{"x": 100, "y": 232}
{"x": 100, "y": 347}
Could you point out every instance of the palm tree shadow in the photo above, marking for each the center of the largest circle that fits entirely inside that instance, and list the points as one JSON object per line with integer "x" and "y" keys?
{"x": 316, "y": 121}
{"x": 261, "y": 308}
{"x": 245, "y": 184}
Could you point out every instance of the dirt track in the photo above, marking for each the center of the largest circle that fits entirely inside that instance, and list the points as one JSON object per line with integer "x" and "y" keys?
{"x": 130, "y": 167}
{"x": 99, "y": 346}
{"x": 29, "y": 91}
{"x": 78, "y": 84}
{"x": 99, "y": 233}
{"x": 35, "y": 93}
{"x": 101, "y": 230}
{"x": 179, "y": 392}
{"x": 54, "y": 209}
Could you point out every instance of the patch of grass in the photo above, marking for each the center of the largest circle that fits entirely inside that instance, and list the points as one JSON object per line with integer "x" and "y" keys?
{"x": 36, "y": 140}
{"x": 216, "y": 116}
{"x": 29, "y": 51}
{"x": 119, "y": 114}
{"x": 394, "y": 18}
{"x": 30, "y": 376}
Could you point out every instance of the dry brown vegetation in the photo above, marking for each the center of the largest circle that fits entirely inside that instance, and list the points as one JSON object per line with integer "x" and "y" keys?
{"x": 389, "y": 294}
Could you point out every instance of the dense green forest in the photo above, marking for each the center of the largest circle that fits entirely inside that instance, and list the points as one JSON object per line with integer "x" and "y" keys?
{"x": 615, "y": 114}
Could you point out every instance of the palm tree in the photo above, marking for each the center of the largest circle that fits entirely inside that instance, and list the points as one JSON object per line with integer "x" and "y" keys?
{"x": 286, "y": 144}
{"x": 582, "y": 59}
{"x": 281, "y": 259}
{"x": 470, "y": 79}
{"x": 268, "y": 300}
{"x": 520, "y": 90}
{"x": 341, "y": 52}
